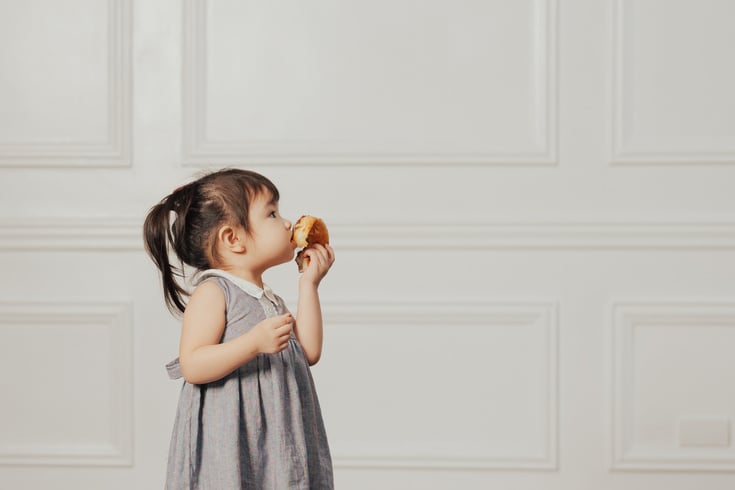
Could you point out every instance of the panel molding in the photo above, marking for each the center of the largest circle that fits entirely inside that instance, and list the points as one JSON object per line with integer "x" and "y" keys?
{"x": 118, "y": 451}
{"x": 199, "y": 151}
{"x": 619, "y": 154}
{"x": 72, "y": 233}
{"x": 624, "y": 318}
{"x": 116, "y": 150}
{"x": 538, "y": 235}
{"x": 125, "y": 233}
{"x": 508, "y": 313}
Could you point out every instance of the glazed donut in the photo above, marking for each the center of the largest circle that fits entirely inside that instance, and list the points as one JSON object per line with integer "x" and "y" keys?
{"x": 308, "y": 230}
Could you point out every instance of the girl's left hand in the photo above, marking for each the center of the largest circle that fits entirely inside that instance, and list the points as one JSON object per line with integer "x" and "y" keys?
{"x": 321, "y": 258}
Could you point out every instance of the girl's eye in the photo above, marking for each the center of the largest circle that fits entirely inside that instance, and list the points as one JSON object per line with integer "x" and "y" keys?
{"x": 273, "y": 214}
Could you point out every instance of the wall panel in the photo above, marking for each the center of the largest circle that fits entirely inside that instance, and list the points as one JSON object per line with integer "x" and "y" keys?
{"x": 421, "y": 93}
{"x": 427, "y": 384}
{"x": 66, "y": 377}
{"x": 672, "y": 368}
{"x": 66, "y": 85}
{"x": 672, "y": 102}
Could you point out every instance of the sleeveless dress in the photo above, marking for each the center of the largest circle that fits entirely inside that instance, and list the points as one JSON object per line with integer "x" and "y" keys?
{"x": 260, "y": 427}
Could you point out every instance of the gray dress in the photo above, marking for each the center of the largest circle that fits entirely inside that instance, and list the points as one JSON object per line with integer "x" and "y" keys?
{"x": 260, "y": 427}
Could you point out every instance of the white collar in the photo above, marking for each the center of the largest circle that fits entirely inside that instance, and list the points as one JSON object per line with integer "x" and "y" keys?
{"x": 243, "y": 284}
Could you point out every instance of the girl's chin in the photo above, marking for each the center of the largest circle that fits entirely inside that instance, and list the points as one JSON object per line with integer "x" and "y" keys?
{"x": 289, "y": 256}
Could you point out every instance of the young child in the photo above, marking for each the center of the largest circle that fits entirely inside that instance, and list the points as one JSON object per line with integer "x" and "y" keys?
{"x": 248, "y": 413}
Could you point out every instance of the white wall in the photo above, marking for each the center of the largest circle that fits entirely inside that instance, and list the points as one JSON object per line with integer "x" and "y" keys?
{"x": 531, "y": 201}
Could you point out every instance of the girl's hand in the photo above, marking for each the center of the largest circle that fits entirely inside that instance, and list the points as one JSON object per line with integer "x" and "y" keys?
{"x": 272, "y": 334}
{"x": 321, "y": 258}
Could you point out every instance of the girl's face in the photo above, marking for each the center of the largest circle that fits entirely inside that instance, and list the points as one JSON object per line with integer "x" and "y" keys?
{"x": 270, "y": 240}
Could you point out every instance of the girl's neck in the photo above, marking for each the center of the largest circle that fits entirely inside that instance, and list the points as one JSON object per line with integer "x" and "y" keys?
{"x": 254, "y": 277}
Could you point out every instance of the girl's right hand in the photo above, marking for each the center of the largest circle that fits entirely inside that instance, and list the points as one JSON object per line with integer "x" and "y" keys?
{"x": 321, "y": 258}
{"x": 272, "y": 334}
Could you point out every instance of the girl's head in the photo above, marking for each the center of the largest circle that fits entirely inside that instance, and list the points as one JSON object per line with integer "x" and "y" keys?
{"x": 188, "y": 222}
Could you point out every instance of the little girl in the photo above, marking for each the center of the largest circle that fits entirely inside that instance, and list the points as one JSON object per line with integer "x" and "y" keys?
{"x": 248, "y": 413}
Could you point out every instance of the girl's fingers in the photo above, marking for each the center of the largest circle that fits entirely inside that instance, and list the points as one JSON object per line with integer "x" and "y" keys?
{"x": 315, "y": 254}
{"x": 325, "y": 253}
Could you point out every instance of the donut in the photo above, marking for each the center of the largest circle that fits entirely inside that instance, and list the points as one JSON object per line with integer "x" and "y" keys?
{"x": 308, "y": 230}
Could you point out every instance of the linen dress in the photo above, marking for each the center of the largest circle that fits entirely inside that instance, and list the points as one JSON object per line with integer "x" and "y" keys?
{"x": 259, "y": 427}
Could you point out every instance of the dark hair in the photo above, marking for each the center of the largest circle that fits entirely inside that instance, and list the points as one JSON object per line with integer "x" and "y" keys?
{"x": 186, "y": 222}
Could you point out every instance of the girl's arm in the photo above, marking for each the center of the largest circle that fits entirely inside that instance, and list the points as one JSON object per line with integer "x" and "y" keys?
{"x": 308, "y": 327}
{"x": 201, "y": 355}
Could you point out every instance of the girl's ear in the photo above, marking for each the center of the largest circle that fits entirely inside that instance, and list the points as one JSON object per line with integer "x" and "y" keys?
{"x": 229, "y": 237}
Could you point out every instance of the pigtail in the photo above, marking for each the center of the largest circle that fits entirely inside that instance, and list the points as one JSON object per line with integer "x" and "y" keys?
{"x": 158, "y": 239}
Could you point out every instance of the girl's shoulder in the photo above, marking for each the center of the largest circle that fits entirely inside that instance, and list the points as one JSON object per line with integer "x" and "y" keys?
{"x": 210, "y": 292}
{"x": 222, "y": 286}
{"x": 207, "y": 306}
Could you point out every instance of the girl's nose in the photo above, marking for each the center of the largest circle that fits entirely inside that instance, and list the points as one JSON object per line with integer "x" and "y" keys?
{"x": 287, "y": 224}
